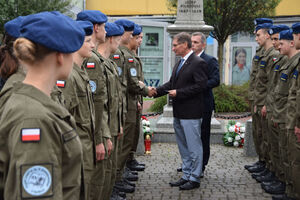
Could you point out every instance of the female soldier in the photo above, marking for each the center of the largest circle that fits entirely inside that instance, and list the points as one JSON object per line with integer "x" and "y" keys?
{"x": 8, "y": 62}
{"x": 39, "y": 148}
{"x": 78, "y": 100}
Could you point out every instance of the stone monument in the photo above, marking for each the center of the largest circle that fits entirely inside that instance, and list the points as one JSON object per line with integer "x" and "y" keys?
{"x": 189, "y": 19}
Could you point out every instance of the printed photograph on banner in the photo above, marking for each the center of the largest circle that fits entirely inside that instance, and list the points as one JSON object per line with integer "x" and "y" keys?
{"x": 241, "y": 65}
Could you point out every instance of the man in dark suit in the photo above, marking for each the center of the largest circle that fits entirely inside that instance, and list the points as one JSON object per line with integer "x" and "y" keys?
{"x": 198, "y": 46}
{"x": 186, "y": 87}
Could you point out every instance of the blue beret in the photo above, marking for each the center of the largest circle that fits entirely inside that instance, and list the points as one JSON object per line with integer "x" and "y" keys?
{"x": 278, "y": 28}
{"x": 86, "y": 26}
{"x": 286, "y": 35}
{"x": 54, "y": 31}
{"x": 296, "y": 27}
{"x": 263, "y": 26}
{"x": 94, "y": 16}
{"x": 113, "y": 29}
{"x": 258, "y": 21}
{"x": 127, "y": 25}
{"x": 12, "y": 27}
{"x": 137, "y": 29}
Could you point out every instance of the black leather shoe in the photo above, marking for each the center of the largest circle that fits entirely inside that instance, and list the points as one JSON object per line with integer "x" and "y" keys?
{"x": 270, "y": 183}
{"x": 134, "y": 167}
{"x": 128, "y": 182}
{"x": 117, "y": 195}
{"x": 254, "y": 164}
{"x": 256, "y": 169}
{"x": 132, "y": 172}
{"x": 137, "y": 163}
{"x": 282, "y": 197}
{"x": 189, "y": 185}
{"x": 275, "y": 189}
{"x": 129, "y": 176}
{"x": 268, "y": 177}
{"x": 202, "y": 175}
{"x": 178, "y": 183}
{"x": 179, "y": 169}
{"x": 123, "y": 187}
{"x": 262, "y": 173}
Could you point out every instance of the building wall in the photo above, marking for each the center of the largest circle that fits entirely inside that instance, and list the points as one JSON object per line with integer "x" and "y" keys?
{"x": 288, "y": 7}
{"x": 130, "y": 7}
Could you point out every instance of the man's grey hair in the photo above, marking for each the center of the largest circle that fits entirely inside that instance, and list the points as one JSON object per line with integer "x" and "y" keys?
{"x": 184, "y": 37}
{"x": 203, "y": 37}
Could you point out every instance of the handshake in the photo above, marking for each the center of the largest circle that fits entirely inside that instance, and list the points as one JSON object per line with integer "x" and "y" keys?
{"x": 151, "y": 90}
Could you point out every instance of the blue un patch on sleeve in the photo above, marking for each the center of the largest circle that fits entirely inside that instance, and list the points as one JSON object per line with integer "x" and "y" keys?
{"x": 276, "y": 69}
{"x": 262, "y": 64}
{"x": 256, "y": 58}
{"x": 284, "y": 77}
{"x": 295, "y": 74}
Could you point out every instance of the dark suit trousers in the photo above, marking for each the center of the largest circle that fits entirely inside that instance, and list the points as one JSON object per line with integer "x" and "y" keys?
{"x": 205, "y": 136}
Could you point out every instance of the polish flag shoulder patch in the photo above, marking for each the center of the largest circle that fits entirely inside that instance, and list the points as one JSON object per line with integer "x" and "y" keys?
{"x": 116, "y": 56}
{"x": 30, "y": 135}
{"x": 130, "y": 60}
{"x": 60, "y": 83}
{"x": 90, "y": 65}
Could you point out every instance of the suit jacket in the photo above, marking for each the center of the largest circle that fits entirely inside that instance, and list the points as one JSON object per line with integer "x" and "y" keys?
{"x": 190, "y": 83}
{"x": 213, "y": 81}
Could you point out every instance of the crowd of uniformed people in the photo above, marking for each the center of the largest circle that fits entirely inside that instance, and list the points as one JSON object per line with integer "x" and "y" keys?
{"x": 274, "y": 94}
{"x": 70, "y": 107}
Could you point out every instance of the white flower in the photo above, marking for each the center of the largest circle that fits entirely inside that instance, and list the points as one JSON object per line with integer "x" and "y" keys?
{"x": 243, "y": 129}
{"x": 238, "y": 124}
{"x": 144, "y": 122}
{"x": 236, "y": 144}
{"x": 231, "y": 129}
{"x": 237, "y": 129}
{"x": 237, "y": 137}
{"x": 147, "y": 129}
{"x": 242, "y": 135}
{"x": 229, "y": 139}
{"x": 147, "y": 123}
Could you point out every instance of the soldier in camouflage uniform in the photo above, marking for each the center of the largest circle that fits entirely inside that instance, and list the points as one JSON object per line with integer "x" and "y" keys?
{"x": 281, "y": 92}
{"x": 255, "y": 65}
{"x": 97, "y": 82}
{"x": 78, "y": 101}
{"x": 112, "y": 41}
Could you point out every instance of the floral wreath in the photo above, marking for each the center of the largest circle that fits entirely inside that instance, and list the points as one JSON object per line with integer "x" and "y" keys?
{"x": 146, "y": 127}
{"x": 235, "y": 134}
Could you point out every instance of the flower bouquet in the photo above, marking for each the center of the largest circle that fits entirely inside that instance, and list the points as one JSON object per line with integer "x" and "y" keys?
{"x": 235, "y": 134}
{"x": 147, "y": 134}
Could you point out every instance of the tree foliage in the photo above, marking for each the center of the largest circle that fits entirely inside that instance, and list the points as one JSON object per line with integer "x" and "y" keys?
{"x": 10, "y": 9}
{"x": 231, "y": 16}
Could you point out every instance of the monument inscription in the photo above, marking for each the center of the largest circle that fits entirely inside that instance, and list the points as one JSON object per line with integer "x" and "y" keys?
{"x": 190, "y": 6}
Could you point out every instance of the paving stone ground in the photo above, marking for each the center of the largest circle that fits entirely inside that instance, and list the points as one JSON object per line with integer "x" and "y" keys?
{"x": 224, "y": 178}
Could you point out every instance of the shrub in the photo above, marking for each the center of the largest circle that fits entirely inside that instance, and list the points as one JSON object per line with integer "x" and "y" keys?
{"x": 231, "y": 98}
{"x": 159, "y": 103}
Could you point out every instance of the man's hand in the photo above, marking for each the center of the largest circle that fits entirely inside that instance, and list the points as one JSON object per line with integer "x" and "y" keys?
{"x": 109, "y": 146}
{"x": 254, "y": 109}
{"x": 100, "y": 152}
{"x": 264, "y": 111}
{"x": 172, "y": 93}
{"x": 297, "y": 133}
{"x": 142, "y": 84}
{"x": 139, "y": 106}
{"x": 151, "y": 91}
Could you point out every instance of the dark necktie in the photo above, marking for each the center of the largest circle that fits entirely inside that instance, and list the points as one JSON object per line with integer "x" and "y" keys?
{"x": 180, "y": 65}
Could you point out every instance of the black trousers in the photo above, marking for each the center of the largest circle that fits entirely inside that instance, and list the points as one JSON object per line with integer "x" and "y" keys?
{"x": 205, "y": 136}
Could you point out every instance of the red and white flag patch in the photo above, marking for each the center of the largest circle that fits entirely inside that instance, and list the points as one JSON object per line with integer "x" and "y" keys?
{"x": 116, "y": 56}
{"x": 130, "y": 60}
{"x": 90, "y": 65}
{"x": 31, "y": 135}
{"x": 60, "y": 84}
